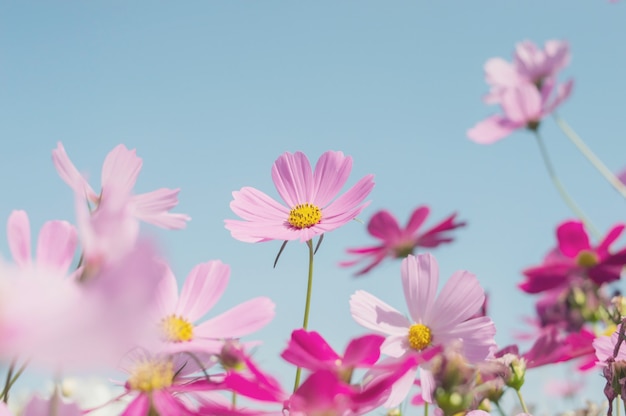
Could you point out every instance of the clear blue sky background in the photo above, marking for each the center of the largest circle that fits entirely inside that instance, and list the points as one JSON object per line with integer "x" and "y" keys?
{"x": 210, "y": 93}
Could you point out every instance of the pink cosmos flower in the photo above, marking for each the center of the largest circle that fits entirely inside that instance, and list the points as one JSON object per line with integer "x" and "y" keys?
{"x": 203, "y": 287}
{"x": 399, "y": 242}
{"x": 121, "y": 167}
{"x": 575, "y": 257}
{"x": 524, "y": 106}
{"x": 435, "y": 321}
{"x": 56, "y": 244}
{"x": 552, "y": 346}
{"x": 307, "y": 349}
{"x": 159, "y": 384}
{"x": 530, "y": 65}
{"x": 605, "y": 347}
{"x": 58, "y": 322}
{"x": 308, "y": 195}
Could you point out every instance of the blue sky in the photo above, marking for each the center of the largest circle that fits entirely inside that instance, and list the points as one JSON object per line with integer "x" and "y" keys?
{"x": 211, "y": 93}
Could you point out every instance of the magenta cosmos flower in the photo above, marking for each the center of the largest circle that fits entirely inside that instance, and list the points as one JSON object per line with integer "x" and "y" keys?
{"x": 308, "y": 349}
{"x": 575, "y": 257}
{"x": 399, "y": 242}
{"x": 120, "y": 169}
{"x": 179, "y": 316}
{"x": 310, "y": 209}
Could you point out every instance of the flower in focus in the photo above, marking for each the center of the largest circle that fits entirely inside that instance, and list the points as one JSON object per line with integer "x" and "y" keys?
{"x": 399, "y": 242}
{"x": 523, "y": 106}
{"x": 308, "y": 195}
{"x": 119, "y": 171}
{"x": 203, "y": 287}
{"x": 435, "y": 320}
{"x": 575, "y": 258}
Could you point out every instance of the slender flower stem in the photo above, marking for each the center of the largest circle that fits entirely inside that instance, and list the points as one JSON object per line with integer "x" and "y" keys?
{"x": 426, "y": 409}
{"x": 500, "y": 410}
{"x": 521, "y": 400}
{"x": 7, "y": 387}
{"x": 233, "y": 400}
{"x": 5, "y": 391}
{"x": 591, "y": 157}
{"x": 559, "y": 186}
{"x": 307, "y": 304}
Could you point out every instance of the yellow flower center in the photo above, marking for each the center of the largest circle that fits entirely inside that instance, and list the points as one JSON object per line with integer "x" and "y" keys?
{"x": 587, "y": 258}
{"x": 419, "y": 336}
{"x": 151, "y": 375}
{"x": 176, "y": 329}
{"x": 304, "y": 216}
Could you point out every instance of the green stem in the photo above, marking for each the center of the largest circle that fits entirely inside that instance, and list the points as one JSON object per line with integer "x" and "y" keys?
{"x": 617, "y": 406}
{"x": 233, "y": 400}
{"x": 426, "y": 409}
{"x": 521, "y": 401}
{"x": 7, "y": 387}
{"x": 499, "y": 408}
{"x": 5, "y": 391}
{"x": 559, "y": 186}
{"x": 307, "y": 304}
{"x": 591, "y": 157}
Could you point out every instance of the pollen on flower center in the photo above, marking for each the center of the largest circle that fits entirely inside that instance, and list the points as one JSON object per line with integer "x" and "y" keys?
{"x": 587, "y": 258}
{"x": 419, "y": 336}
{"x": 304, "y": 216}
{"x": 151, "y": 375}
{"x": 176, "y": 329}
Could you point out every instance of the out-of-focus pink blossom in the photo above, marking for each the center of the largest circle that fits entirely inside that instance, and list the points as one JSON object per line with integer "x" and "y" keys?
{"x": 575, "y": 257}
{"x": 179, "y": 315}
{"x": 398, "y": 242}
{"x": 119, "y": 174}
{"x": 523, "y": 107}
{"x": 530, "y": 65}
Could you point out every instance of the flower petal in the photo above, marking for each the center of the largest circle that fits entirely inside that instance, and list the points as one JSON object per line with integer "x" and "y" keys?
{"x": 384, "y": 226}
{"x": 18, "y": 234}
{"x": 420, "y": 281}
{"x": 120, "y": 170}
{"x": 572, "y": 238}
{"x": 56, "y": 245}
{"x": 293, "y": 178}
{"x": 492, "y": 129}
{"x": 372, "y": 313}
{"x": 238, "y": 321}
{"x": 152, "y": 207}
{"x": 461, "y": 297}
{"x": 70, "y": 175}
{"x": 331, "y": 173}
{"x": 203, "y": 287}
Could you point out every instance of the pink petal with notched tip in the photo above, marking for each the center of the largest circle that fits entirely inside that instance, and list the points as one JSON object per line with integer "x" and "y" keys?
{"x": 572, "y": 238}
{"x": 238, "y": 321}
{"x": 416, "y": 220}
{"x": 384, "y": 226}
{"x": 120, "y": 169}
{"x": 420, "y": 281}
{"x": 363, "y": 351}
{"x": 56, "y": 245}
{"x": 330, "y": 165}
{"x": 308, "y": 349}
{"x": 18, "y": 235}
{"x": 460, "y": 298}
{"x": 293, "y": 178}
{"x": 153, "y": 207}
{"x": 492, "y": 129}
{"x": 203, "y": 287}
{"x": 70, "y": 175}
{"x": 374, "y": 314}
